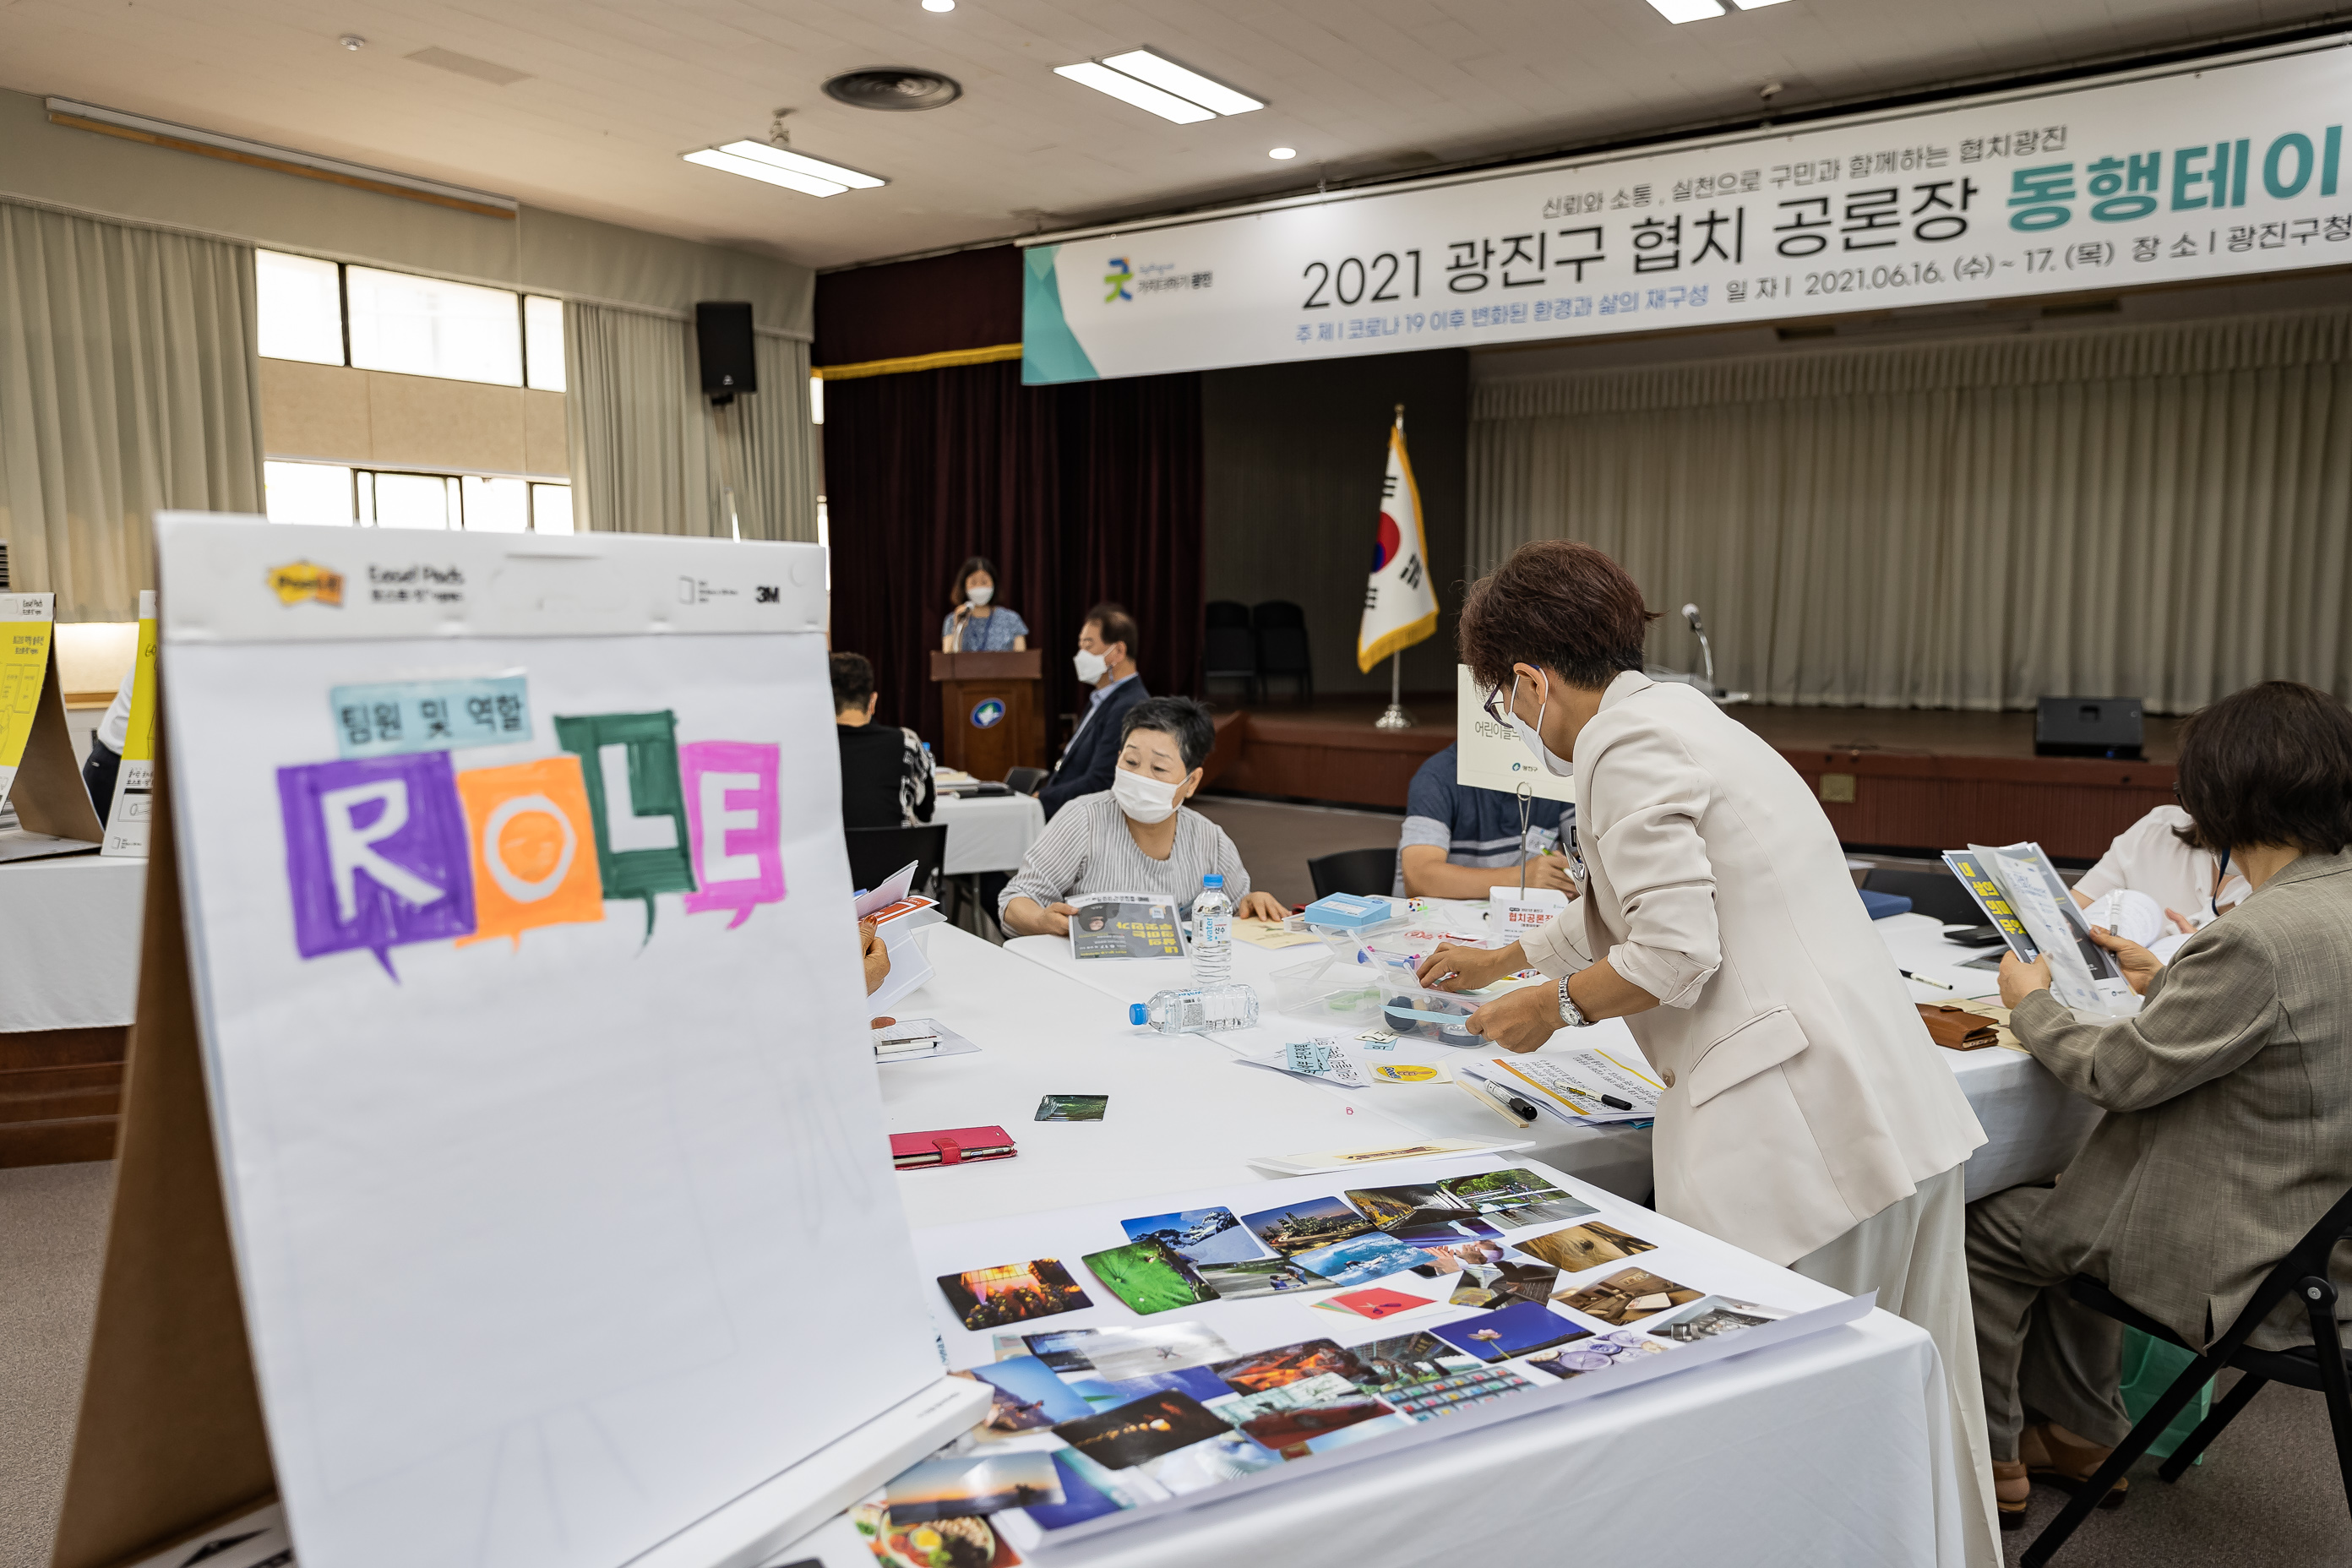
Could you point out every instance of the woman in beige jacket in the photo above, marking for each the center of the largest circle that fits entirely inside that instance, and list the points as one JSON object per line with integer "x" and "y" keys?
{"x": 1806, "y": 1116}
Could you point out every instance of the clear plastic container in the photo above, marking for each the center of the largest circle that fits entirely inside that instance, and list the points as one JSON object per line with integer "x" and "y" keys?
{"x": 1213, "y": 933}
{"x": 1408, "y": 1011}
{"x": 1328, "y": 991}
{"x": 1197, "y": 1008}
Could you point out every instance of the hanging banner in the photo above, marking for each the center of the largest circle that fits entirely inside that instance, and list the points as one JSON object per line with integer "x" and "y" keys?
{"x": 2174, "y": 177}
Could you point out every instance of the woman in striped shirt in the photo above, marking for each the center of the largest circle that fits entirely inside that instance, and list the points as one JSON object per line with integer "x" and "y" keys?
{"x": 1135, "y": 837}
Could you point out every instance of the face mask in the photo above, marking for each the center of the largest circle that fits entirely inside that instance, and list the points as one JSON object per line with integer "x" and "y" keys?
{"x": 979, "y": 595}
{"x": 1090, "y": 666}
{"x": 1534, "y": 739}
{"x": 1143, "y": 798}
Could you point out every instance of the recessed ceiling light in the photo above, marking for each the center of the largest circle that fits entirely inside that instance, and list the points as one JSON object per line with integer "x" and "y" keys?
{"x": 1282, "y": 152}
{"x": 949, "y": 4}
{"x": 1680, "y": 11}
{"x": 1127, "y": 89}
{"x": 1170, "y": 77}
{"x": 779, "y": 166}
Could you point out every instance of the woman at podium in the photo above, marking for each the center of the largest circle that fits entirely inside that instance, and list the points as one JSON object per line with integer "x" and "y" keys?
{"x": 976, "y": 623}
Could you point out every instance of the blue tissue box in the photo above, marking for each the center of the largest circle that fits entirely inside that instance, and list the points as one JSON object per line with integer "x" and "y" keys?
{"x": 1350, "y": 912}
{"x": 1881, "y": 905}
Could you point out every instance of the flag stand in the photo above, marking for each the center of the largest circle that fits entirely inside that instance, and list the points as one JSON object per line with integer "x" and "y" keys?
{"x": 1397, "y": 716}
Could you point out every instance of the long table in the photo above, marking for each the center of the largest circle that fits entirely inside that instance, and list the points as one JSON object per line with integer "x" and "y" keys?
{"x": 1832, "y": 1448}
{"x": 70, "y": 929}
{"x": 2033, "y": 1124}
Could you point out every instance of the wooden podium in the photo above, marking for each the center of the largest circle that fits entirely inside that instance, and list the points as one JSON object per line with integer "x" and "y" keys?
{"x": 991, "y": 713}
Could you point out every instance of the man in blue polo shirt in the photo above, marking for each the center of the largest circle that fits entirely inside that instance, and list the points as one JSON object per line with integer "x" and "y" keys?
{"x": 1460, "y": 840}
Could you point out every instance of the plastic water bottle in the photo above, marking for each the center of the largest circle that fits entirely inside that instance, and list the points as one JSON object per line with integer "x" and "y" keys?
{"x": 1213, "y": 933}
{"x": 1196, "y": 1008}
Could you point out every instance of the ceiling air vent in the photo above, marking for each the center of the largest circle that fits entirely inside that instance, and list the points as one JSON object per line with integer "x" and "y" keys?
{"x": 899, "y": 88}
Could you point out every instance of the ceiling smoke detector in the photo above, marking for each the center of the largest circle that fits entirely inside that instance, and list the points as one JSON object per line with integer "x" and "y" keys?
{"x": 899, "y": 90}
{"x": 352, "y": 42}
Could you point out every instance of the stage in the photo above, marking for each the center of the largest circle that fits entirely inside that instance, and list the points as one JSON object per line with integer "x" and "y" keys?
{"x": 1894, "y": 781}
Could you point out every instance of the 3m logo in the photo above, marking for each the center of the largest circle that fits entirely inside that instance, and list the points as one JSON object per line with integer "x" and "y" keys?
{"x": 766, "y": 594}
{"x": 306, "y": 580}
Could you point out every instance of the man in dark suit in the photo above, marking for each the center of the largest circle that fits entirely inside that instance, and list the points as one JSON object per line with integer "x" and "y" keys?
{"x": 1105, "y": 661}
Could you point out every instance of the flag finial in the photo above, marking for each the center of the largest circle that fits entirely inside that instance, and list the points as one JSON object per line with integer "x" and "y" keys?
{"x": 1400, "y": 415}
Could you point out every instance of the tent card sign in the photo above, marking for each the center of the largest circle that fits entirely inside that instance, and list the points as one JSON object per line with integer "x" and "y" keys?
{"x": 517, "y": 921}
{"x": 39, "y": 774}
{"x": 132, "y": 814}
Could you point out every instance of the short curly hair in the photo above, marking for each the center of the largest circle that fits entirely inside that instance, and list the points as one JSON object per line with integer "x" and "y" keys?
{"x": 1558, "y": 604}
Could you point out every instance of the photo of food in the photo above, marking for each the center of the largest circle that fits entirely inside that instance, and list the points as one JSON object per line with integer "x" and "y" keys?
{"x": 1072, "y": 1107}
{"x": 1395, "y": 1365}
{"x": 1508, "y": 1331}
{"x": 1027, "y": 1396}
{"x": 1121, "y": 1355}
{"x": 1515, "y": 1198}
{"x": 1204, "y": 1236}
{"x": 1148, "y": 1277}
{"x": 954, "y": 1543}
{"x": 1064, "y": 1349}
{"x": 1492, "y": 1285}
{"x": 1013, "y": 1293}
{"x": 1266, "y": 1277}
{"x": 1628, "y": 1296}
{"x": 1288, "y": 1363}
{"x": 1596, "y": 1354}
{"x": 975, "y": 1484}
{"x": 1156, "y": 1425}
{"x": 1362, "y": 1259}
{"x": 1583, "y": 1246}
{"x": 1306, "y": 1225}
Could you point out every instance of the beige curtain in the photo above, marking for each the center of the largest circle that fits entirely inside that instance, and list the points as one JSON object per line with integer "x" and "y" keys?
{"x": 646, "y": 448}
{"x": 128, "y": 385}
{"x": 2161, "y": 512}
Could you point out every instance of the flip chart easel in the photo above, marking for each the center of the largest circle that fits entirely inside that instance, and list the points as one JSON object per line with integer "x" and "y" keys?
{"x": 39, "y": 774}
{"x": 502, "y": 1173}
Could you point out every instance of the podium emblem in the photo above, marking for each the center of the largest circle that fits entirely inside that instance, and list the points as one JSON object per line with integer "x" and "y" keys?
{"x": 987, "y": 714}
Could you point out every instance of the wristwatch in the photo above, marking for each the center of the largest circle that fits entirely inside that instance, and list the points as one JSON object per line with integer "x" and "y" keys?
{"x": 1570, "y": 1014}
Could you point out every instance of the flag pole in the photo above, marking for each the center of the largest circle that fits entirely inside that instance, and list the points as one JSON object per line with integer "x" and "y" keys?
{"x": 1397, "y": 716}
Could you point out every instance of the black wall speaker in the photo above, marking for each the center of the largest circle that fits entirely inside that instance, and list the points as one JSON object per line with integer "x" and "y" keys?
{"x": 722, "y": 333}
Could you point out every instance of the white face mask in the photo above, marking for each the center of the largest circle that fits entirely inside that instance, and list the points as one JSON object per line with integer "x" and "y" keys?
{"x": 1143, "y": 797}
{"x": 1090, "y": 666}
{"x": 979, "y": 595}
{"x": 1533, "y": 738}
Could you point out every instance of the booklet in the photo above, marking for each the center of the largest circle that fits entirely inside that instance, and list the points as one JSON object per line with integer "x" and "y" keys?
{"x": 1126, "y": 925}
{"x": 2021, "y": 894}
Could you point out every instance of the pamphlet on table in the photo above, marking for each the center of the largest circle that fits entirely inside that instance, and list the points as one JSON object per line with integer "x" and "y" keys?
{"x": 1126, "y": 925}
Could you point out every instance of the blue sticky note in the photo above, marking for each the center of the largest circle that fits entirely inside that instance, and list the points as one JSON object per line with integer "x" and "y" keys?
{"x": 390, "y": 717}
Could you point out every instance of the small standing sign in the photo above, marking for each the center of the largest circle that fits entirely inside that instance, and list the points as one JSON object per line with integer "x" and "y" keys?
{"x": 39, "y": 774}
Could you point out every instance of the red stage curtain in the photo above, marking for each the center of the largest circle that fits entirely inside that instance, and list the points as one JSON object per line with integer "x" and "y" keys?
{"x": 1078, "y": 493}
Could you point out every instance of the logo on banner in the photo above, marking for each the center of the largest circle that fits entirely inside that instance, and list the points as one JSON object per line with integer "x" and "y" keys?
{"x": 306, "y": 580}
{"x": 1118, "y": 280}
{"x": 375, "y": 853}
{"x": 532, "y": 839}
{"x": 987, "y": 714}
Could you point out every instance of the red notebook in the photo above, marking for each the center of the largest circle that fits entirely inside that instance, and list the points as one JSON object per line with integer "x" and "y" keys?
{"x": 949, "y": 1146}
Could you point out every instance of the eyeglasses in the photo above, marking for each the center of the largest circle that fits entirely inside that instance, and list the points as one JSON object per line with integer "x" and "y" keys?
{"x": 1495, "y": 707}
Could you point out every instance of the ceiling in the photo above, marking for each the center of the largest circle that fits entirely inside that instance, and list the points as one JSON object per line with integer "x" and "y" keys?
{"x": 611, "y": 91}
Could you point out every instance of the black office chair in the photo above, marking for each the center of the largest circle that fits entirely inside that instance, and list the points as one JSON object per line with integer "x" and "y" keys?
{"x": 2319, "y": 1367}
{"x": 1366, "y": 872}
{"x": 876, "y": 852}
{"x": 1026, "y": 781}
{"x": 1229, "y": 650}
{"x": 1281, "y": 628}
{"x": 1937, "y": 894}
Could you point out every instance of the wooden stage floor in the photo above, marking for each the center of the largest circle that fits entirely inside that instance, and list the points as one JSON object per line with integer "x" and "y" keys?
{"x": 1895, "y": 780}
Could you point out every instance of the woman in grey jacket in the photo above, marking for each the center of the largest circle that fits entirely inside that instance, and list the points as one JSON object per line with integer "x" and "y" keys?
{"x": 2229, "y": 1101}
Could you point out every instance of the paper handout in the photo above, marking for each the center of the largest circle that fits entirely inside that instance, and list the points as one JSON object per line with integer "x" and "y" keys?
{"x": 1324, "y": 1060}
{"x": 1591, "y": 1086}
{"x": 2024, "y": 898}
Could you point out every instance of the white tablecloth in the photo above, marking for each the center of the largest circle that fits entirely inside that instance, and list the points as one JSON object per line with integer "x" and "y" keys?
{"x": 989, "y": 832}
{"x": 2033, "y": 1124}
{"x": 69, "y": 942}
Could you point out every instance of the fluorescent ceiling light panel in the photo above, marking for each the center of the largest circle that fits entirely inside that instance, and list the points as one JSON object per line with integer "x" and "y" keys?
{"x": 791, "y": 180}
{"x": 1679, "y": 11}
{"x": 1170, "y": 77}
{"x": 816, "y": 168}
{"x": 1143, "y": 95}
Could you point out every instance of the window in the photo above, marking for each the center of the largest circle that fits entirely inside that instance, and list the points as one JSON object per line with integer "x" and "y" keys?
{"x": 425, "y": 326}
{"x": 330, "y": 494}
{"x": 302, "y": 307}
{"x": 543, "y": 340}
{"x": 816, "y": 400}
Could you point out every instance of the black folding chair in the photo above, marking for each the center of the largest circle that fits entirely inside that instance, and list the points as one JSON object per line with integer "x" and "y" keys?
{"x": 876, "y": 852}
{"x": 1229, "y": 648}
{"x": 1371, "y": 872}
{"x": 1282, "y": 648}
{"x": 2318, "y": 1367}
{"x": 1026, "y": 781}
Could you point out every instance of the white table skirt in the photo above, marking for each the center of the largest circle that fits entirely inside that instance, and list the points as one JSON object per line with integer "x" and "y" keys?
{"x": 989, "y": 833}
{"x": 69, "y": 942}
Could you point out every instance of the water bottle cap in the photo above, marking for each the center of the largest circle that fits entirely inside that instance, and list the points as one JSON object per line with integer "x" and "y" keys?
{"x": 1137, "y": 1013}
{"x": 1215, "y": 880}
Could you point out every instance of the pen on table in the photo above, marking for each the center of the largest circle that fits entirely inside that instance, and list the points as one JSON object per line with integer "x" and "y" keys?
{"x": 1503, "y": 1096}
{"x": 1924, "y": 981}
{"x": 1613, "y": 1102}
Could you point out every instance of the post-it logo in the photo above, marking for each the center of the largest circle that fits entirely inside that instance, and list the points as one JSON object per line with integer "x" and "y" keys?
{"x": 304, "y": 580}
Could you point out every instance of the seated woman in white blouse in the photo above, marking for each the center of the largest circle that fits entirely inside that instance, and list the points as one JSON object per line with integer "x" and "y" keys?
{"x": 1135, "y": 837}
{"x": 2161, "y": 855}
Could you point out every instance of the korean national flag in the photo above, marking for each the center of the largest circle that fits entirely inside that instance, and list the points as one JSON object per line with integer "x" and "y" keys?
{"x": 1400, "y": 605}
